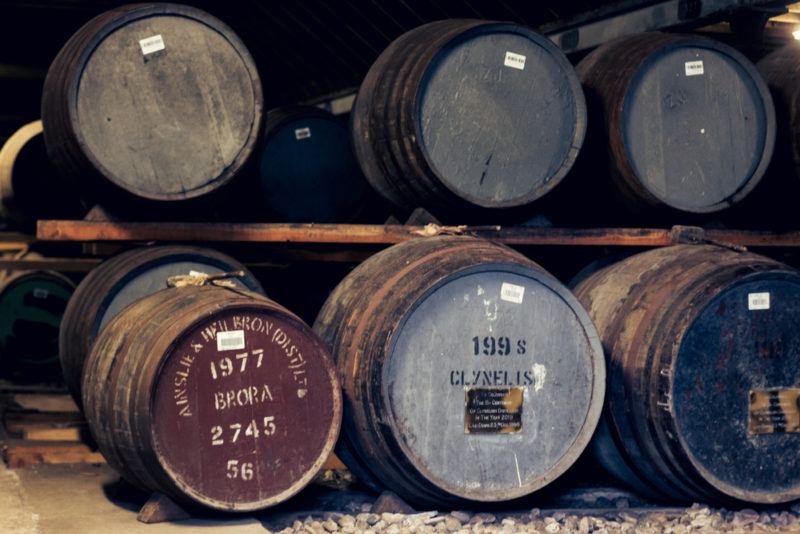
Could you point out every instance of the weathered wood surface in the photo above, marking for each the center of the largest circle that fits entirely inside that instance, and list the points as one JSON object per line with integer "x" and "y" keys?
{"x": 152, "y": 101}
{"x": 465, "y": 114}
{"x": 469, "y": 373}
{"x": 24, "y": 453}
{"x": 703, "y": 349}
{"x": 389, "y": 234}
{"x": 681, "y": 122}
{"x": 122, "y": 280}
{"x": 257, "y": 407}
{"x": 306, "y": 168}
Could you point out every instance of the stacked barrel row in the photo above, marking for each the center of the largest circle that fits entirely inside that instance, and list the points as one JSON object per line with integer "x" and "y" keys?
{"x": 156, "y": 110}
{"x": 467, "y": 372}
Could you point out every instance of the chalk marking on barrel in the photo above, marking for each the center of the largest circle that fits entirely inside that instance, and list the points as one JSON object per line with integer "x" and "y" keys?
{"x": 516, "y": 463}
{"x": 539, "y": 374}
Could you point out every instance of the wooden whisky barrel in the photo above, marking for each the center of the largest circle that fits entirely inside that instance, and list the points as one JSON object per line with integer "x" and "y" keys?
{"x": 158, "y": 102}
{"x": 703, "y": 351}
{"x": 682, "y": 122}
{"x": 212, "y": 396}
{"x": 122, "y": 280}
{"x": 468, "y": 114}
{"x": 30, "y": 187}
{"x": 307, "y": 171}
{"x": 469, "y": 373}
{"x": 32, "y": 304}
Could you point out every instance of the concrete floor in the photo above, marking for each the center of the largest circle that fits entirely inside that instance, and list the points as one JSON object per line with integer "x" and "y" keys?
{"x": 86, "y": 499}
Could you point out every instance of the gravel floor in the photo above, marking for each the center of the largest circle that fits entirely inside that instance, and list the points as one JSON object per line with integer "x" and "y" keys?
{"x": 695, "y": 519}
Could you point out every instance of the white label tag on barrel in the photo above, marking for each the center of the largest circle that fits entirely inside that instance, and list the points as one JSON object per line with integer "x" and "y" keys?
{"x": 515, "y": 61}
{"x": 758, "y": 301}
{"x": 40, "y": 293}
{"x": 302, "y": 133}
{"x": 694, "y": 68}
{"x": 512, "y": 293}
{"x": 233, "y": 340}
{"x": 152, "y": 44}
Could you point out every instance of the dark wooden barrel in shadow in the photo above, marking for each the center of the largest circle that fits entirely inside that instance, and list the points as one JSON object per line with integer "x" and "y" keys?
{"x": 702, "y": 349}
{"x": 212, "y": 396}
{"x": 468, "y": 115}
{"x": 678, "y": 123}
{"x": 306, "y": 168}
{"x": 121, "y": 281}
{"x": 31, "y": 187}
{"x": 32, "y": 305}
{"x": 469, "y": 373}
{"x": 152, "y": 102}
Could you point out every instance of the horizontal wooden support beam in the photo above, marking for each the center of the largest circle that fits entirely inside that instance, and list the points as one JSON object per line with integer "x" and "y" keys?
{"x": 67, "y": 265}
{"x": 354, "y": 234}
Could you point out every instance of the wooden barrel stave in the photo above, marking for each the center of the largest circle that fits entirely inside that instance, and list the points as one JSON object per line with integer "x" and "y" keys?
{"x": 131, "y": 155}
{"x": 128, "y": 396}
{"x": 364, "y": 320}
{"x": 650, "y": 438}
{"x": 117, "y": 283}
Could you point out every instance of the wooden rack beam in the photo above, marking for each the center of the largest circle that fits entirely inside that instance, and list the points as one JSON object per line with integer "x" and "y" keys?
{"x": 354, "y": 234}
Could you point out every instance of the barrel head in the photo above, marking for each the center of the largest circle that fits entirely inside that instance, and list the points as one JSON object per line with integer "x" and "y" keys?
{"x": 501, "y": 116}
{"x": 308, "y": 172}
{"x": 31, "y": 307}
{"x": 165, "y": 105}
{"x": 736, "y": 389}
{"x": 494, "y": 382}
{"x": 245, "y": 409}
{"x": 697, "y": 126}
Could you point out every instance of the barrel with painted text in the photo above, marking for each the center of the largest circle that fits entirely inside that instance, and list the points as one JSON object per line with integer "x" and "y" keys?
{"x": 681, "y": 123}
{"x": 122, "y": 280}
{"x": 30, "y": 187}
{"x": 152, "y": 104}
{"x": 306, "y": 168}
{"x": 468, "y": 115}
{"x": 212, "y": 396}
{"x": 704, "y": 378}
{"x": 32, "y": 305}
{"x": 469, "y": 373}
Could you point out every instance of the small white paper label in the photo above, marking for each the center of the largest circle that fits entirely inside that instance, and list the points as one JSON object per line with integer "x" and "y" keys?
{"x": 758, "y": 301}
{"x": 233, "y": 340}
{"x": 152, "y": 44}
{"x": 515, "y": 61}
{"x": 512, "y": 293}
{"x": 694, "y": 68}
{"x": 302, "y": 133}
{"x": 40, "y": 293}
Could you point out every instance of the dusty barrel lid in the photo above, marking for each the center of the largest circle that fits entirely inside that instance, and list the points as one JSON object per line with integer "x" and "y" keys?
{"x": 121, "y": 281}
{"x": 31, "y": 308}
{"x": 468, "y": 114}
{"x": 307, "y": 171}
{"x": 157, "y": 102}
{"x": 689, "y": 122}
{"x": 454, "y": 349}
{"x": 221, "y": 398}
{"x": 715, "y": 347}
